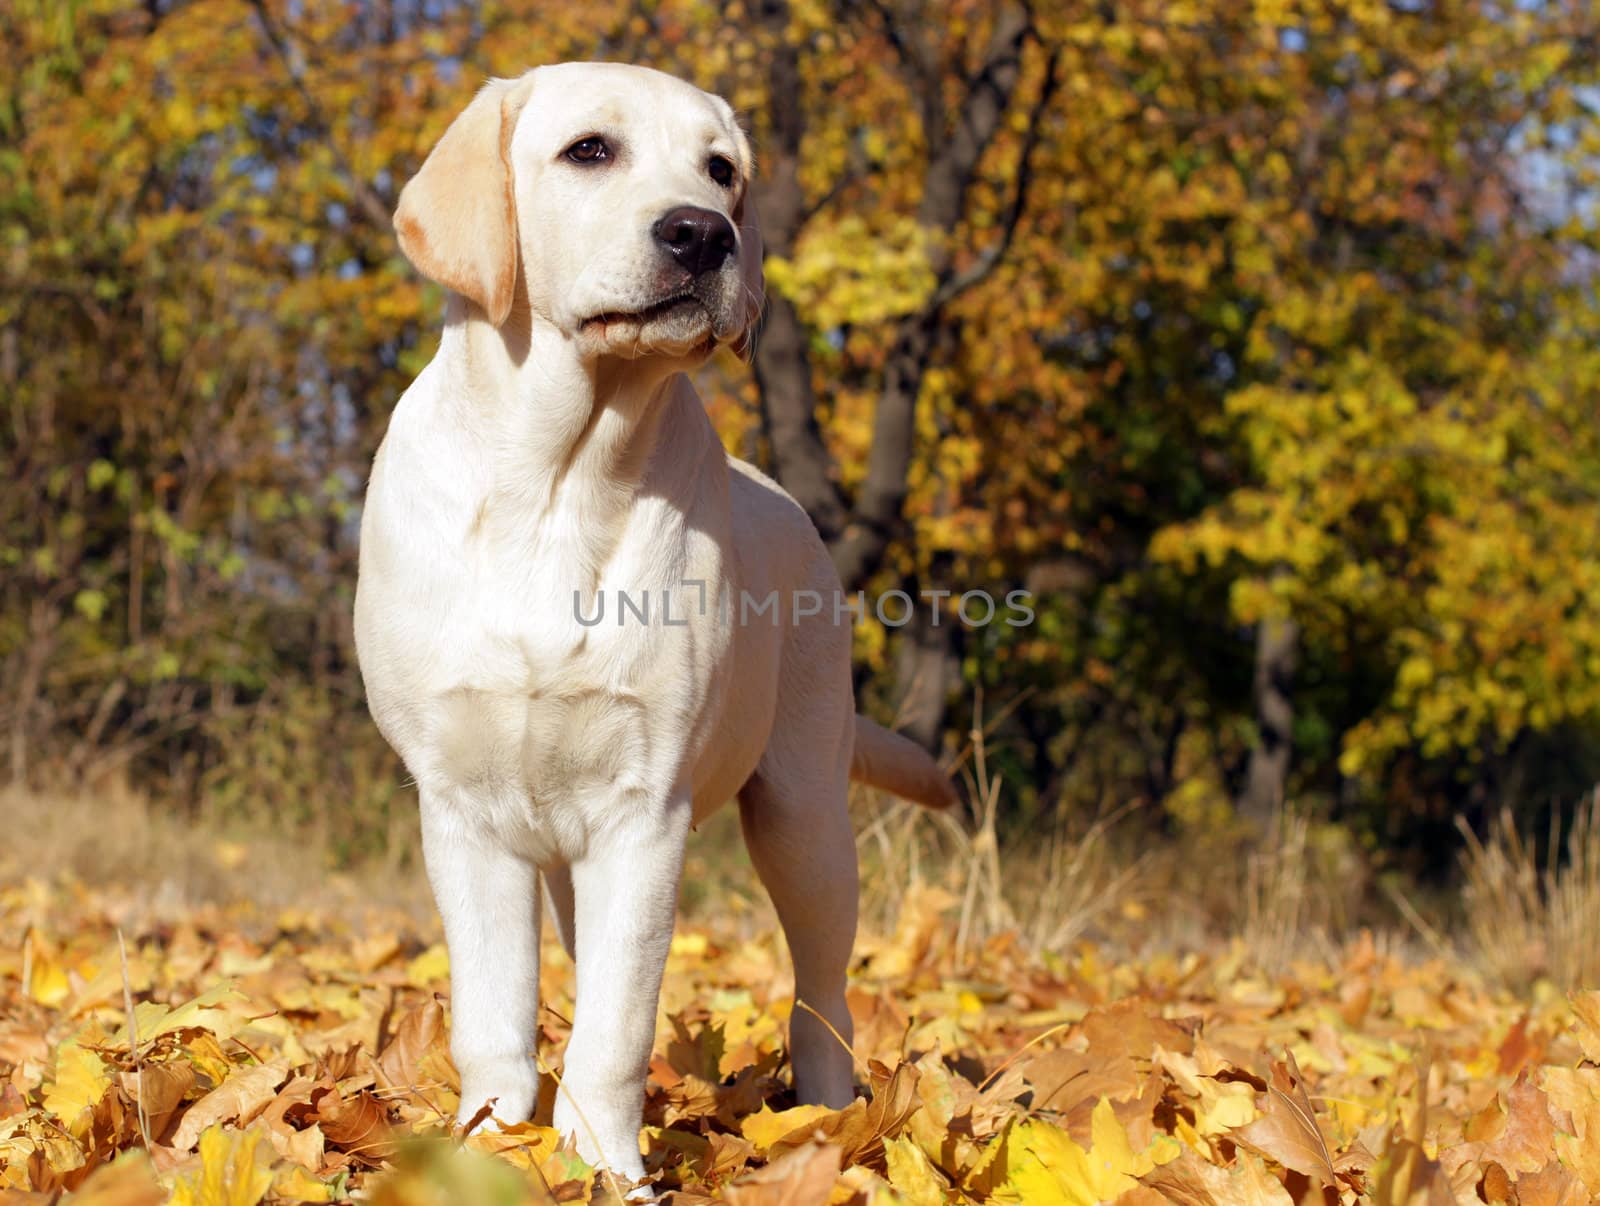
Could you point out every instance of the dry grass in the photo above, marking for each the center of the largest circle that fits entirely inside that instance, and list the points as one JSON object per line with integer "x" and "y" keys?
{"x": 1280, "y": 897}
{"x": 114, "y": 836}
{"x": 1526, "y": 922}
{"x": 1276, "y": 893}
{"x": 1299, "y": 889}
{"x": 1094, "y": 880}
{"x": 1051, "y": 890}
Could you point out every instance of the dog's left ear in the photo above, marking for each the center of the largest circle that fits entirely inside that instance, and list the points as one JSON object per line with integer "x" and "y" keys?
{"x": 751, "y": 277}
{"x": 457, "y": 217}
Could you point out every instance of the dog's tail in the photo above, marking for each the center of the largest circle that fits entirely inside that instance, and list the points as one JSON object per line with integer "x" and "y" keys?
{"x": 899, "y": 766}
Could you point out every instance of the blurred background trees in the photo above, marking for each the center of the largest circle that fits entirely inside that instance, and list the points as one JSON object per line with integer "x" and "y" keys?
{"x": 1258, "y": 339}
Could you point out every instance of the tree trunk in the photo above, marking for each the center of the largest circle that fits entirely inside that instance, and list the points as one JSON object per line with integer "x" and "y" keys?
{"x": 1277, "y": 652}
{"x": 877, "y": 519}
{"x": 800, "y": 459}
{"x": 859, "y": 533}
{"x": 925, "y": 669}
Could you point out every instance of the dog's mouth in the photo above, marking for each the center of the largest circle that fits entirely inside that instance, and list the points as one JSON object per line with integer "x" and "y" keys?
{"x": 675, "y": 304}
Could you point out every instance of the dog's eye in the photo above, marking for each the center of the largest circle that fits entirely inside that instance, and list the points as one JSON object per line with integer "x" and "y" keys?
{"x": 721, "y": 171}
{"x": 589, "y": 150}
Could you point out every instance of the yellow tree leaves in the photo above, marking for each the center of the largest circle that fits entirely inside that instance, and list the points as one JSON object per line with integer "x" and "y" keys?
{"x": 845, "y": 272}
{"x": 1312, "y": 360}
{"x": 229, "y": 1174}
{"x": 1044, "y": 1166}
{"x": 1456, "y": 526}
{"x": 1412, "y": 384}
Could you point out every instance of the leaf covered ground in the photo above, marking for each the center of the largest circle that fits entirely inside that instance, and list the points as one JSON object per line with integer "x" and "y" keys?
{"x": 297, "y": 1057}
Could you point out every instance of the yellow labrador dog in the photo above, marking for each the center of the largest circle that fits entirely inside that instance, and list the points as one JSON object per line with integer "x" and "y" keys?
{"x": 581, "y": 623}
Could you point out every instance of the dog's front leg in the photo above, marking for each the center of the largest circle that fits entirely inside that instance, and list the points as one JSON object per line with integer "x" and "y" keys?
{"x": 488, "y": 898}
{"x": 625, "y": 891}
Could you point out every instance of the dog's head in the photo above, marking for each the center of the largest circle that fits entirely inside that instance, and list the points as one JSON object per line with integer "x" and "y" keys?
{"x": 613, "y": 201}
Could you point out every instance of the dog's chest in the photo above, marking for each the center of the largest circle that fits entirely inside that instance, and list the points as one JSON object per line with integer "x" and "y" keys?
{"x": 518, "y": 646}
{"x": 544, "y": 742}
{"x": 523, "y": 686}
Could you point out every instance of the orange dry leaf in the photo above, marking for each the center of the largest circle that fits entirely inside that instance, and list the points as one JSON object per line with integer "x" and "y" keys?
{"x": 803, "y": 1177}
{"x": 357, "y": 1125}
{"x": 1287, "y": 1131}
{"x": 860, "y": 1128}
{"x": 128, "y": 1181}
{"x": 1552, "y": 1185}
{"x": 1062, "y": 1080}
{"x": 157, "y": 1091}
{"x": 238, "y": 1099}
{"x": 1526, "y": 1135}
{"x": 416, "y": 1062}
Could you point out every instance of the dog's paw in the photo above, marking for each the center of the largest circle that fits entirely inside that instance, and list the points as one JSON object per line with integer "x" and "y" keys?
{"x": 489, "y": 1103}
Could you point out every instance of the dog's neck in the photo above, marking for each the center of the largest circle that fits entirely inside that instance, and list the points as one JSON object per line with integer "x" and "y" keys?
{"x": 565, "y": 436}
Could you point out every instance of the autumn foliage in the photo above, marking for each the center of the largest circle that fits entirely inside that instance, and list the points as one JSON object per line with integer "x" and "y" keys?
{"x": 1257, "y": 339}
{"x": 231, "y": 1057}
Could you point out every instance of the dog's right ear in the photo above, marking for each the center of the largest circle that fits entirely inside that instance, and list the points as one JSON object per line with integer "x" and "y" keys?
{"x": 457, "y": 217}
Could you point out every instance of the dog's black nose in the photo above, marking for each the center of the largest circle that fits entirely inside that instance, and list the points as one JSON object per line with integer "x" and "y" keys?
{"x": 698, "y": 238}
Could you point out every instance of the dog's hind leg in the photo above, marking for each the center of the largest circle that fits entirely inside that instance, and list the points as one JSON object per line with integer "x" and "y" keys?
{"x": 558, "y": 891}
{"x": 797, "y": 826}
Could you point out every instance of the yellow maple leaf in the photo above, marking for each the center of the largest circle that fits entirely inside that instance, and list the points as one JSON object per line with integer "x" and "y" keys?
{"x": 82, "y": 1078}
{"x": 524, "y": 1144}
{"x": 295, "y": 1184}
{"x": 766, "y": 1126}
{"x": 151, "y": 1019}
{"x": 1111, "y": 1149}
{"x": 47, "y": 979}
{"x": 1047, "y": 1168}
{"x": 911, "y": 1173}
{"x": 229, "y": 1174}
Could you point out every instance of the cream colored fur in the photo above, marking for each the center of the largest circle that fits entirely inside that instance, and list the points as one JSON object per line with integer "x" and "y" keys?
{"x": 552, "y": 457}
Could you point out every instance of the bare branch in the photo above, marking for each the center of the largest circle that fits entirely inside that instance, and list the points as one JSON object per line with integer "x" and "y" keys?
{"x": 986, "y": 263}
{"x": 988, "y": 95}
{"x": 366, "y": 197}
{"x": 919, "y": 58}
{"x": 858, "y": 167}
